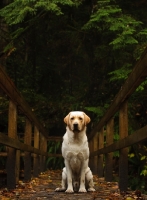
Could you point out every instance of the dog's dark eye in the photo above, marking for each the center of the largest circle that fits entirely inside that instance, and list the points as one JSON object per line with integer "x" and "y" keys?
{"x": 72, "y": 118}
{"x": 80, "y": 118}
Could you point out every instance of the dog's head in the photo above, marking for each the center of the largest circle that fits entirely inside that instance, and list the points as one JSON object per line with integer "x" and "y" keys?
{"x": 76, "y": 121}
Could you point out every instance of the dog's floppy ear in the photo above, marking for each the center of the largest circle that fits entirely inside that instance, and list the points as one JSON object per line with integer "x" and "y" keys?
{"x": 66, "y": 119}
{"x": 86, "y": 118}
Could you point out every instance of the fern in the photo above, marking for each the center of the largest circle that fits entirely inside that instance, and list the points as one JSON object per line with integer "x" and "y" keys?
{"x": 142, "y": 87}
{"x": 120, "y": 74}
{"x": 109, "y": 17}
{"x": 17, "y": 11}
{"x": 96, "y": 110}
{"x": 99, "y": 110}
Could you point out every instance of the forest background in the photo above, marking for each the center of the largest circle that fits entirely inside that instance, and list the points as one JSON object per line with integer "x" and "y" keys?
{"x": 68, "y": 55}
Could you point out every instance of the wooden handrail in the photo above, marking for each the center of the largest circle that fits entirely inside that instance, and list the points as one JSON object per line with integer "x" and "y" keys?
{"x": 138, "y": 136}
{"x": 8, "y": 86}
{"x": 137, "y": 76}
{"x": 4, "y": 139}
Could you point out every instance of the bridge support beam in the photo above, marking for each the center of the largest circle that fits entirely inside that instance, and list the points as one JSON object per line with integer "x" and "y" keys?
{"x": 109, "y": 156}
{"x": 36, "y": 157}
{"x": 95, "y": 158}
{"x": 27, "y": 157}
{"x": 123, "y": 159}
{"x": 100, "y": 157}
{"x": 43, "y": 147}
{"x": 11, "y": 156}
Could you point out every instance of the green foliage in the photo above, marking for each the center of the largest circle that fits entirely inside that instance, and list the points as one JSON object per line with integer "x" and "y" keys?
{"x": 97, "y": 110}
{"x": 142, "y": 86}
{"x": 121, "y": 73}
{"x": 137, "y": 167}
{"x": 137, "y": 183}
{"x": 102, "y": 16}
{"x": 54, "y": 162}
{"x": 108, "y": 16}
{"x": 144, "y": 171}
{"x": 17, "y": 11}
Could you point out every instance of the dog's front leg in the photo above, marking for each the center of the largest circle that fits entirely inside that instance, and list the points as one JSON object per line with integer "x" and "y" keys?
{"x": 69, "y": 178}
{"x": 82, "y": 178}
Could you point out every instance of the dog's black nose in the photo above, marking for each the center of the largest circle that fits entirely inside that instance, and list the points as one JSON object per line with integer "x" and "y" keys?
{"x": 75, "y": 126}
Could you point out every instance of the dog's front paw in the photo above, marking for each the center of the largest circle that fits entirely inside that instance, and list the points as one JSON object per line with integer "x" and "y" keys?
{"x": 91, "y": 190}
{"x": 60, "y": 190}
{"x": 69, "y": 191}
{"x": 82, "y": 190}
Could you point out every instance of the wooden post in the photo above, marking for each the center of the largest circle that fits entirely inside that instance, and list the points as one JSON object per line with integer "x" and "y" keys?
{"x": 44, "y": 157}
{"x": 123, "y": 158}
{"x": 95, "y": 158}
{"x": 36, "y": 157}
{"x": 11, "y": 156}
{"x": 90, "y": 150}
{"x": 17, "y": 167}
{"x": 100, "y": 157}
{"x": 109, "y": 156}
{"x": 27, "y": 156}
{"x": 43, "y": 147}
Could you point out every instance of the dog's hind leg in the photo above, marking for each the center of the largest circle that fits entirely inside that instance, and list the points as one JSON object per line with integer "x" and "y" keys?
{"x": 89, "y": 180}
{"x": 64, "y": 182}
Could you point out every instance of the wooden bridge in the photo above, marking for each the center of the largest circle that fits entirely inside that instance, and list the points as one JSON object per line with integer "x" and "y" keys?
{"x": 101, "y": 155}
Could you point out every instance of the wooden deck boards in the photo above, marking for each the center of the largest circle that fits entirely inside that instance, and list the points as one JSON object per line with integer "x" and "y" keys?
{"x": 43, "y": 188}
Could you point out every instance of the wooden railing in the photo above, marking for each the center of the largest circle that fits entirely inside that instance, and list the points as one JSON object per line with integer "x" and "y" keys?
{"x": 99, "y": 152}
{"x": 32, "y": 128}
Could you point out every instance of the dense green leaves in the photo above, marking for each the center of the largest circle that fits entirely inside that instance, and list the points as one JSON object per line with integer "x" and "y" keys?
{"x": 109, "y": 17}
{"x": 17, "y": 11}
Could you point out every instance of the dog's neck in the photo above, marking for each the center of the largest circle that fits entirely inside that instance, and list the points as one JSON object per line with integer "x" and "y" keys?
{"x": 79, "y": 136}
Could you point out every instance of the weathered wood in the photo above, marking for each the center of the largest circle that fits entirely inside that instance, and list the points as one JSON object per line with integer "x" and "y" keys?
{"x": 50, "y": 138}
{"x": 95, "y": 159}
{"x": 43, "y": 147}
{"x": 100, "y": 157}
{"x": 10, "y": 142}
{"x": 137, "y": 76}
{"x": 91, "y": 150}
{"x": 8, "y": 86}
{"x": 11, "y": 156}
{"x": 44, "y": 157}
{"x": 55, "y": 138}
{"x": 138, "y": 136}
{"x": 4, "y": 154}
{"x": 36, "y": 157}
{"x": 17, "y": 167}
{"x": 27, "y": 157}
{"x": 123, "y": 157}
{"x": 109, "y": 156}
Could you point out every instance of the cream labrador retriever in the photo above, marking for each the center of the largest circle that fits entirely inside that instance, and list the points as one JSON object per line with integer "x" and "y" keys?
{"x": 76, "y": 175}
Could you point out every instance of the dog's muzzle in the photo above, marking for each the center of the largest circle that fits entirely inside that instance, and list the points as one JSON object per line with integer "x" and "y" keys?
{"x": 75, "y": 127}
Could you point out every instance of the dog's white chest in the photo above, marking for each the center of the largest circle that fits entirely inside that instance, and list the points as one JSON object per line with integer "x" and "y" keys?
{"x": 75, "y": 150}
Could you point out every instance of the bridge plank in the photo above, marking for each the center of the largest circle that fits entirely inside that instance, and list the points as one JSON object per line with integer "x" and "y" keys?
{"x": 136, "y": 77}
